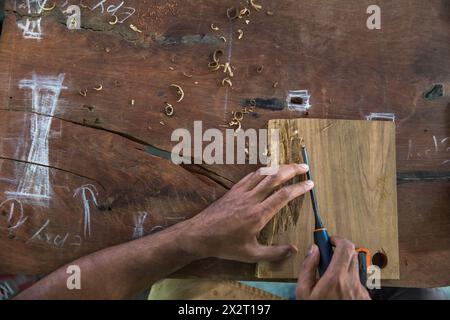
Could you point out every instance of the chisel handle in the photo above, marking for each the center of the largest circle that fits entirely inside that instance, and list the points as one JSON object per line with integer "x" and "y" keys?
{"x": 322, "y": 240}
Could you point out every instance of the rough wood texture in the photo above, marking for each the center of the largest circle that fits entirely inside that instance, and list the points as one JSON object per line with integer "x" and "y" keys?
{"x": 322, "y": 46}
{"x": 353, "y": 166}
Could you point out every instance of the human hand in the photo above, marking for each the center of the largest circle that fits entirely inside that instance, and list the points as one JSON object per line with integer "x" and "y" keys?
{"x": 228, "y": 228}
{"x": 340, "y": 281}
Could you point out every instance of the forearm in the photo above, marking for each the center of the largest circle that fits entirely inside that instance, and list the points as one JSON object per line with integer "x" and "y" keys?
{"x": 122, "y": 271}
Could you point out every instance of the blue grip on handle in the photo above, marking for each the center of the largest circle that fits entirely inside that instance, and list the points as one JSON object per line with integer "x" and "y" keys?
{"x": 322, "y": 240}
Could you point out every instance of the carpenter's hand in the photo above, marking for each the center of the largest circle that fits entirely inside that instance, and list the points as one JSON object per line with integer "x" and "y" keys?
{"x": 228, "y": 228}
{"x": 340, "y": 281}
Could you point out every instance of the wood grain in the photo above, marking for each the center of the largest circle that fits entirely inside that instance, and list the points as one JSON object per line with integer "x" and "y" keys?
{"x": 353, "y": 166}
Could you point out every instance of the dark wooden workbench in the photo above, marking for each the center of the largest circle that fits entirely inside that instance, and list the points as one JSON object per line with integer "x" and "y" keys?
{"x": 95, "y": 158}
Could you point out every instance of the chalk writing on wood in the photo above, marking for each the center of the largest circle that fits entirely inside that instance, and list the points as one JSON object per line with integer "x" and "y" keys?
{"x": 119, "y": 10}
{"x": 57, "y": 240}
{"x": 139, "y": 221}
{"x": 34, "y": 184}
{"x": 439, "y": 146}
{"x": 31, "y": 27}
{"x": 84, "y": 192}
{"x": 74, "y": 19}
{"x": 11, "y": 214}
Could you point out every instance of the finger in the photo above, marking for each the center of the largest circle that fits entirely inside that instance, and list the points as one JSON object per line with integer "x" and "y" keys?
{"x": 274, "y": 253}
{"x": 251, "y": 180}
{"x": 342, "y": 255}
{"x": 244, "y": 181}
{"x": 272, "y": 205}
{"x": 354, "y": 266}
{"x": 284, "y": 174}
{"x": 307, "y": 276}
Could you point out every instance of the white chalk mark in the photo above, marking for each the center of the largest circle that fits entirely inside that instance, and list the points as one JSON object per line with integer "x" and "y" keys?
{"x": 113, "y": 10}
{"x": 32, "y": 27}
{"x": 444, "y": 140}
{"x": 37, "y": 233}
{"x": 381, "y": 116}
{"x": 409, "y": 149}
{"x": 33, "y": 6}
{"x": 35, "y": 182}
{"x": 138, "y": 231}
{"x": 436, "y": 149}
{"x": 78, "y": 243}
{"x": 127, "y": 14}
{"x": 84, "y": 190}
{"x": 156, "y": 229}
{"x": 298, "y": 100}
{"x": 16, "y": 216}
{"x": 73, "y": 21}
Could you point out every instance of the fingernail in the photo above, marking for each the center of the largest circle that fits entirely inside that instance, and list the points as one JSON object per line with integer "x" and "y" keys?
{"x": 310, "y": 252}
{"x": 293, "y": 250}
{"x": 303, "y": 166}
{"x": 310, "y": 183}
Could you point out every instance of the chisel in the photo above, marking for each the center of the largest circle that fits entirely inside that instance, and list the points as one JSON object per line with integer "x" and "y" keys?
{"x": 321, "y": 238}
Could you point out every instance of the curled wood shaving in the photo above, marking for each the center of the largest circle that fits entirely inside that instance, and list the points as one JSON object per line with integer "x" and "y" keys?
{"x": 83, "y": 93}
{"x": 81, "y": 4}
{"x": 98, "y": 88}
{"x": 238, "y": 116}
{"x": 214, "y": 66}
{"x": 116, "y": 19}
{"x": 169, "y": 110}
{"x": 49, "y": 8}
{"x": 216, "y": 55}
{"x": 232, "y": 13}
{"x": 134, "y": 28}
{"x": 256, "y": 6}
{"x": 179, "y": 91}
{"x": 227, "y": 81}
{"x": 241, "y": 34}
{"x": 223, "y": 39}
{"x": 227, "y": 69}
{"x": 244, "y": 12}
{"x": 214, "y": 27}
{"x": 269, "y": 13}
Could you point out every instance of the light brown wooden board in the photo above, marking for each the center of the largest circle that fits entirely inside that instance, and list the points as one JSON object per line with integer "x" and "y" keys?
{"x": 354, "y": 170}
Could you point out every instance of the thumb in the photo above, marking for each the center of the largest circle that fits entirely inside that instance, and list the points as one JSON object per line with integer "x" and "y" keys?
{"x": 307, "y": 275}
{"x": 275, "y": 253}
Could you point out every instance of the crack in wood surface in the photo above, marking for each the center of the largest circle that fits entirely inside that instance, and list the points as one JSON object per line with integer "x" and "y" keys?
{"x": 193, "y": 169}
{"x": 143, "y": 40}
{"x": 422, "y": 176}
{"x": 55, "y": 168}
